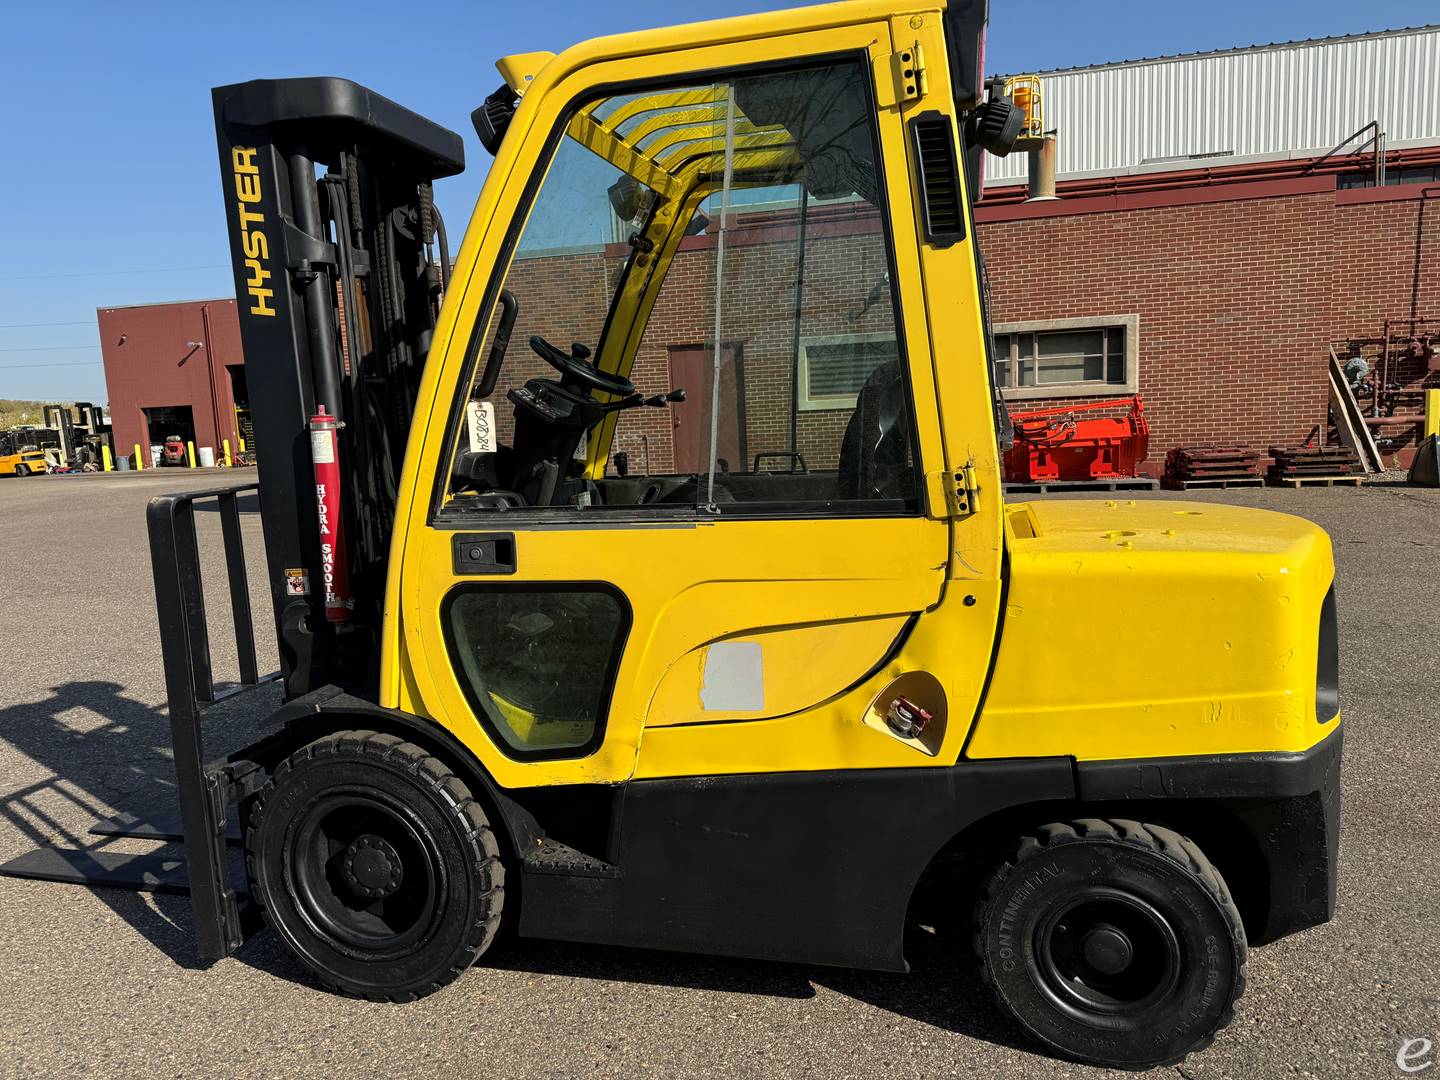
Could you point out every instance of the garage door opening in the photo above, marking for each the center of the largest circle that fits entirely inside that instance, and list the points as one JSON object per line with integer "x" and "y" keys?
{"x": 240, "y": 394}
{"x": 169, "y": 427}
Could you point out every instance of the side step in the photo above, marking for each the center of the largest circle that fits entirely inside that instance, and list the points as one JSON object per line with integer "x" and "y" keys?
{"x": 552, "y": 857}
{"x": 161, "y": 825}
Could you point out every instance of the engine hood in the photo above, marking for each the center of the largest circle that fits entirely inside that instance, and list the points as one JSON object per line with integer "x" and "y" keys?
{"x": 1120, "y": 528}
{"x": 1156, "y": 628}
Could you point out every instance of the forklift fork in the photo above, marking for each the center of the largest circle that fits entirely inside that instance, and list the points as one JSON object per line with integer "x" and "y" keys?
{"x": 206, "y": 790}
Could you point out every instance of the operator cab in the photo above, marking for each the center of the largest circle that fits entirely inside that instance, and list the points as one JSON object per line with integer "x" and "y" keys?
{"x": 718, "y": 356}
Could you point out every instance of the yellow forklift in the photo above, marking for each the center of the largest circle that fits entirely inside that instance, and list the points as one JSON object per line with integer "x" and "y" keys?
{"x": 695, "y": 618}
{"x": 24, "y": 462}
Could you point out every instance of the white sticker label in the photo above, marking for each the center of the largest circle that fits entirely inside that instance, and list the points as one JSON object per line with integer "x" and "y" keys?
{"x": 733, "y": 677}
{"x": 322, "y": 447}
{"x": 481, "y": 417}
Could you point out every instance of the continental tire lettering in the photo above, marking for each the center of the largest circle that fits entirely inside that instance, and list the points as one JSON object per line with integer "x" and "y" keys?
{"x": 1011, "y": 915}
{"x": 253, "y": 242}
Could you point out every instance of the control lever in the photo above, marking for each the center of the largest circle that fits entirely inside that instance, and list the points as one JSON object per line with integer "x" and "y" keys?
{"x": 659, "y": 401}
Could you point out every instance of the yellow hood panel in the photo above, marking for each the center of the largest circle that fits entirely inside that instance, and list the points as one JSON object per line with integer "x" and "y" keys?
{"x": 1068, "y": 527}
{"x": 1155, "y": 629}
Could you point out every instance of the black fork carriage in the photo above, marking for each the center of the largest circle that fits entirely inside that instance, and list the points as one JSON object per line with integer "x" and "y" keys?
{"x": 207, "y": 790}
{"x": 340, "y": 181}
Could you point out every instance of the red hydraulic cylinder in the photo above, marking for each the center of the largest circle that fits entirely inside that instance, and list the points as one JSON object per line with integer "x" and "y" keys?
{"x": 335, "y": 572}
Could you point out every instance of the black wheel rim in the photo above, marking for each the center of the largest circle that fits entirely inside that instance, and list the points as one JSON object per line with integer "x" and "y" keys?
{"x": 1105, "y": 952}
{"x": 365, "y": 873}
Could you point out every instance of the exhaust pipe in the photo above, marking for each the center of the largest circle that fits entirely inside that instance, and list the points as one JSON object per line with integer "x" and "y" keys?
{"x": 1041, "y": 185}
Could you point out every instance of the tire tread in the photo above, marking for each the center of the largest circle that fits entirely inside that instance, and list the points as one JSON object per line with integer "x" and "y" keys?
{"x": 1154, "y": 839}
{"x": 431, "y": 772}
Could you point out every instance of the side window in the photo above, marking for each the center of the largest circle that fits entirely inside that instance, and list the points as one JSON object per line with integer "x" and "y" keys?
{"x": 538, "y": 664}
{"x": 707, "y": 268}
{"x": 1067, "y": 356}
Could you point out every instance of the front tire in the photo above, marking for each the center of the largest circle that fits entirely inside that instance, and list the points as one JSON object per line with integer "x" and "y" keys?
{"x": 22, "y": 470}
{"x": 1112, "y": 942}
{"x": 376, "y": 865}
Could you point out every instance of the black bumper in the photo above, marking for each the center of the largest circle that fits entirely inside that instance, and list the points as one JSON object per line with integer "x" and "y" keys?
{"x": 1288, "y": 803}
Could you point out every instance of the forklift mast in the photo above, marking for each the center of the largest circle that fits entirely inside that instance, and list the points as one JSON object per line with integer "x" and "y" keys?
{"x": 340, "y": 260}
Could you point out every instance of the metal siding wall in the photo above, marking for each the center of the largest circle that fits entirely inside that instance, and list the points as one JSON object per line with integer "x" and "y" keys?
{"x": 1270, "y": 102}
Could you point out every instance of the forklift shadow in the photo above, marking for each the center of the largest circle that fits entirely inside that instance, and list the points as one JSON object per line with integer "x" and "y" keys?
{"x": 942, "y": 990}
{"x": 103, "y": 752}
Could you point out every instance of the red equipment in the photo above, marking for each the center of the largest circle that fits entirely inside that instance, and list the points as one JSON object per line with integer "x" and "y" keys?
{"x": 1051, "y": 444}
{"x": 325, "y": 452}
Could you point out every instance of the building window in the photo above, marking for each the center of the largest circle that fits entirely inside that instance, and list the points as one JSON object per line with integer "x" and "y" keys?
{"x": 1406, "y": 174}
{"x": 1067, "y": 357}
{"x": 833, "y": 369}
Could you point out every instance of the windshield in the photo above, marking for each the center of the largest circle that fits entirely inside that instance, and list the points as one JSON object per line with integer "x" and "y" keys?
{"x": 703, "y": 311}
{"x": 580, "y": 227}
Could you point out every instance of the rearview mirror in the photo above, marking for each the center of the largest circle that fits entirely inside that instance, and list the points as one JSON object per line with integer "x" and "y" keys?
{"x": 996, "y": 124}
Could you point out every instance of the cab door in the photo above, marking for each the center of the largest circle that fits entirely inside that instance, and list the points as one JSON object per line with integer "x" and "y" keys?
{"x": 653, "y": 609}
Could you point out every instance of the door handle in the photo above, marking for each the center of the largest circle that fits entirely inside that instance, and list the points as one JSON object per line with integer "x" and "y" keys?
{"x": 483, "y": 553}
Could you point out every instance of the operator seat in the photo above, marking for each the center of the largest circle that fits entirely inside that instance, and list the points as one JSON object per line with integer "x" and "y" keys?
{"x": 875, "y": 451}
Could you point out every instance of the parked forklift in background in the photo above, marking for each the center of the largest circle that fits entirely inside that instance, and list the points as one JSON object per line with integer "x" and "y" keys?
{"x": 740, "y": 694}
{"x": 24, "y": 462}
{"x": 172, "y": 452}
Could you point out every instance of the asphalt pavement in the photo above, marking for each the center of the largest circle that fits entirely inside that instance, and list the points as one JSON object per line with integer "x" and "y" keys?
{"x": 104, "y": 982}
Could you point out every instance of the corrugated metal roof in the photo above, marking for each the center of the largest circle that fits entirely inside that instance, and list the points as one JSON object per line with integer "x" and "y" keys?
{"x": 1268, "y": 101}
{"x": 1298, "y": 43}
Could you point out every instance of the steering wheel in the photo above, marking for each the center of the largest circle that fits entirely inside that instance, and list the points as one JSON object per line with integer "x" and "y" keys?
{"x": 575, "y": 368}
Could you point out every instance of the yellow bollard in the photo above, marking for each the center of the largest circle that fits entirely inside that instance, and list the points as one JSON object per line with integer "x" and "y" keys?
{"x": 190, "y": 451}
{"x": 1432, "y": 412}
{"x": 139, "y": 461}
{"x": 242, "y": 444}
{"x": 225, "y": 448}
{"x": 107, "y": 458}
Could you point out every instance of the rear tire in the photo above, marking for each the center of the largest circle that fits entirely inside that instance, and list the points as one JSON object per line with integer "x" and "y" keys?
{"x": 1112, "y": 942}
{"x": 376, "y": 865}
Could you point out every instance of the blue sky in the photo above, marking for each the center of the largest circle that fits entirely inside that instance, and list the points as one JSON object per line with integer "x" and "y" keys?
{"x": 109, "y": 190}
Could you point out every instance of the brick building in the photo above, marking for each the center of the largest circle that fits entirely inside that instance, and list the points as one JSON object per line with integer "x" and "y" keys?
{"x": 1231, "y": 217}
{"x": 174, "y": 370}
{"x": 1233, "y": 288}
